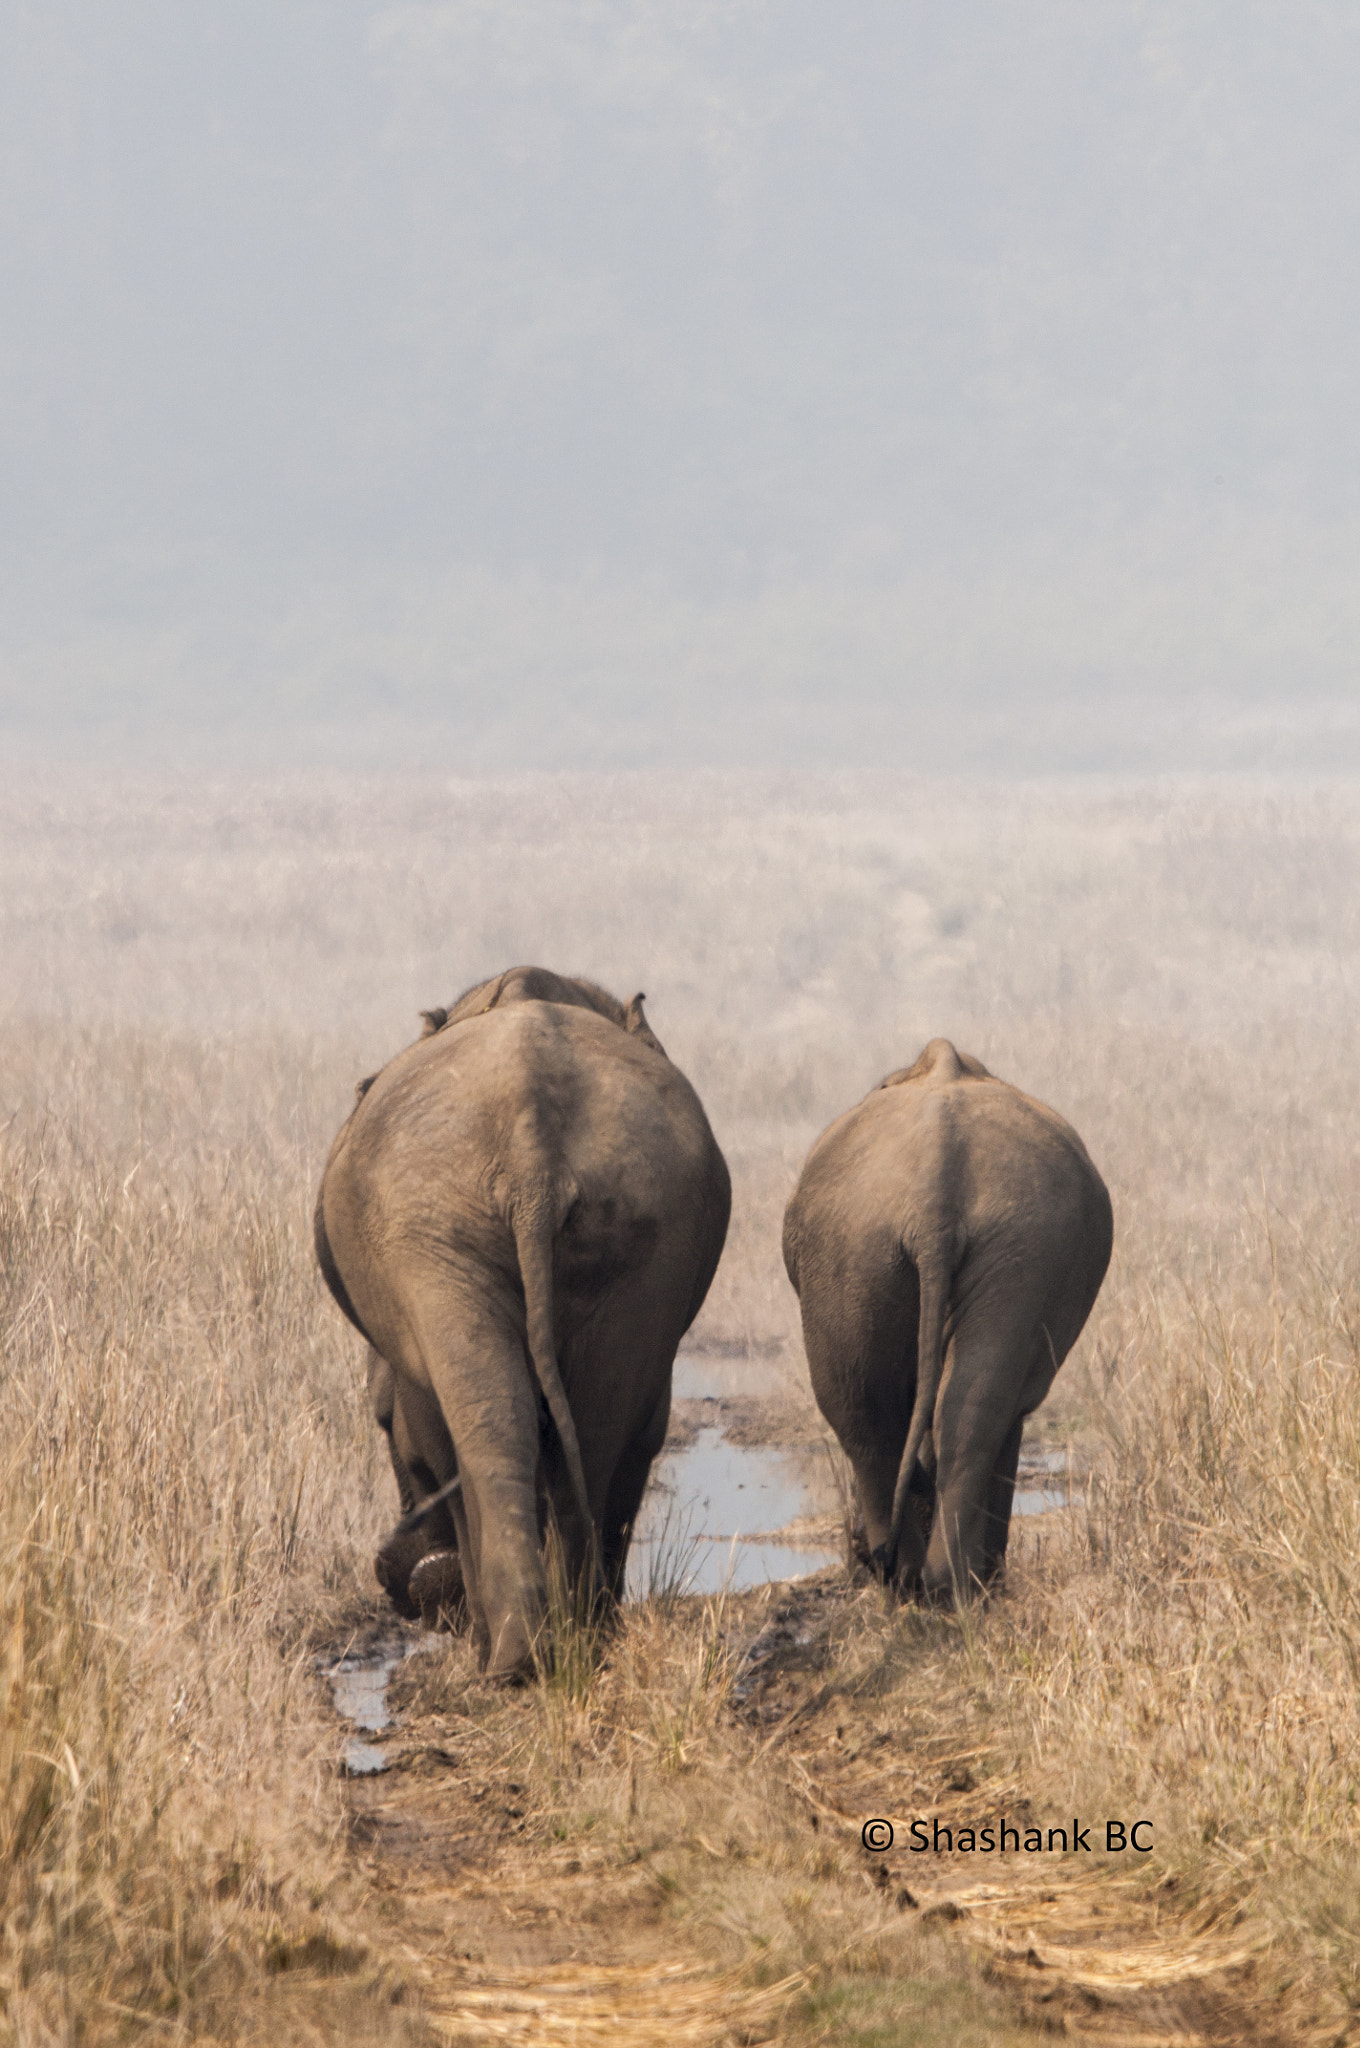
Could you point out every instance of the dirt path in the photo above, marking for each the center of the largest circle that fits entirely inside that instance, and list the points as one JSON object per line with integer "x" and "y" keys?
{"x": 1098, "y": 1953}
{"x": 508, "y": 1934}
{"x": 512, "y": 1941}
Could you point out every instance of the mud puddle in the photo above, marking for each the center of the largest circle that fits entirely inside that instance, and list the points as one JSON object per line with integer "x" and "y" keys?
{"x": 716, "y": 1515}
{"x": 1043, "y": 1481}
{"x": 358, "y": 1683}
{"x": 719, "y": 1514}
{"x": 722, "y": 1514}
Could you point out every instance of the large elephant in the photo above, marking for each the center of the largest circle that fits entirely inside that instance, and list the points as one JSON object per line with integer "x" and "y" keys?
{"x": 523, "y": 1215}
{"x": 947, "y": 1240}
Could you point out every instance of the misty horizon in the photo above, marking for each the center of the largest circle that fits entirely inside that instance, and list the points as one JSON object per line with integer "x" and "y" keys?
{"x": 612, "y": 385}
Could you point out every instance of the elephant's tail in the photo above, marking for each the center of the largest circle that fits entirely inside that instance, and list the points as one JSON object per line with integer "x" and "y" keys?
{"x": 534, "y": 1245}
{"x": 933, "y": 1275}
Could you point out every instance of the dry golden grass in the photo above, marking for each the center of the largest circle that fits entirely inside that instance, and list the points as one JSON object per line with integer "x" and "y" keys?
{"x": 633, "y": 1809}
{"x": 1191, "y": 1644}
{"x": 193, "y": 1487}
{"x": 186, "y": 1495}
{"x": 634, "y": 2006}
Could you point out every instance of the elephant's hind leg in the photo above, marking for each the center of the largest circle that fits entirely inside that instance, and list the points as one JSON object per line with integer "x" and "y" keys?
{"x": 861, "y": 1353}
{"x": 422, "y": 1460}
{"x": 475, "y": 1359}
{"x": 1000, "y": 1495}
{"x": 626, "y": 1490}
{"x": 977, "y": 1441}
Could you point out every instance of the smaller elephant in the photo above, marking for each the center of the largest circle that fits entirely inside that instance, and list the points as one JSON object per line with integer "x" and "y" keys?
{"x": 947, "y": 1240}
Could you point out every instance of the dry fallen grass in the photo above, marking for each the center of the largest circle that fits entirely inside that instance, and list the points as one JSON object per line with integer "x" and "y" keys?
{"x": 664, "y": 1841}
{"x": 652, "y": 2003}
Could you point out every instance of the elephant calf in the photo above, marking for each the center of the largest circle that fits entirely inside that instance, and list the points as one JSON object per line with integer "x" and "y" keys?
{"x": 522, "y": 1216}
{"x": 947, "y": 1240}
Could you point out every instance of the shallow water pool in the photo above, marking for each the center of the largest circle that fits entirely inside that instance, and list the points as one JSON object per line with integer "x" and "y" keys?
{"x": 358, "y": 1684}
{"x": 717, "y": 1514}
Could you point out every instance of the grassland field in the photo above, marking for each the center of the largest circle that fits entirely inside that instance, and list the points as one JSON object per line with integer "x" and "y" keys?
{"x": 194, "y": 973}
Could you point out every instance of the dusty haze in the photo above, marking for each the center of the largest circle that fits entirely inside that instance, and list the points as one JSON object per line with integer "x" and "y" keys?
{"x": 1175, "y": 970}
{"x": 614, "y": 383}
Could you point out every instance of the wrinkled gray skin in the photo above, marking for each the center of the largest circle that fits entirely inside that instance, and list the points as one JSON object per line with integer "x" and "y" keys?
{"x": 947, "y": 1240}
{"x": 523, "y": 1215}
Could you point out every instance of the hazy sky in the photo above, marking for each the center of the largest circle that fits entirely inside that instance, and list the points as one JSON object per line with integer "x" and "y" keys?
{"x": 596, "y": 382}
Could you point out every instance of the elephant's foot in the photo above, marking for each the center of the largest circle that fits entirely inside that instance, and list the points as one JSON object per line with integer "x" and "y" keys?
{"x": 939, "y": 1590}
{"x": 510, "y": 1661}
{"x": 422, "y": 1584}
{"x": 900, "y": 1580}
{"x": 516, "y": 1646}
{"x": 392, "y": 1567}
{"x": 903, "y": 1574}
{"x": 435, "y": 1590}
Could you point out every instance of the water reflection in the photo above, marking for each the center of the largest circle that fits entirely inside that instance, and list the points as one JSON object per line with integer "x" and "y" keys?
{"x": 359, "y": 1689}
{"x": 717, "y": 1514}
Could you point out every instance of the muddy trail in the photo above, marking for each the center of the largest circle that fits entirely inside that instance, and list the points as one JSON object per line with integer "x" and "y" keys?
{"x": 512, "y": 1918}
{"x": 508, "y": 1934}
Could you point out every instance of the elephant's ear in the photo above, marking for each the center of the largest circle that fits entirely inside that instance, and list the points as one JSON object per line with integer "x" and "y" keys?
{"x": 434, "y": 1020}
{"x": 497, "y": 991}
{"x": 636, "y": 1025}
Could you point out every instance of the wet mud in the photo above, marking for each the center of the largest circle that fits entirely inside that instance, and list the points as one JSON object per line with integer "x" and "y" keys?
{"x": 745, "y": 1494}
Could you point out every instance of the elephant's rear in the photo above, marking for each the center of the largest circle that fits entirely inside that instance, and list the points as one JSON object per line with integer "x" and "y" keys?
{"x": 948, "y": 1238}
{"x": 1035, "y": 1202}
{"x": 530, "y": 1202}
{"x": 531, "y": 1121}
{"x": 634, "y": 1254}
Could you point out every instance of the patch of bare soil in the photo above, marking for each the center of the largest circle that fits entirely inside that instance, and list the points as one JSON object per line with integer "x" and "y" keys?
{"x": 508, "y": 1936}
{"x": 507, "y": 1931}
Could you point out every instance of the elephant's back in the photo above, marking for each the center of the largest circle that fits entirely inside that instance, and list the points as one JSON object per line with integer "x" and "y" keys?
{"x": 977, "y": 1151}
{"x": 544, "y": 1086}
{"x": 600, "y": 1102}
{"x": 888, "y": 1143}
{"x": 844, "y": 1216}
